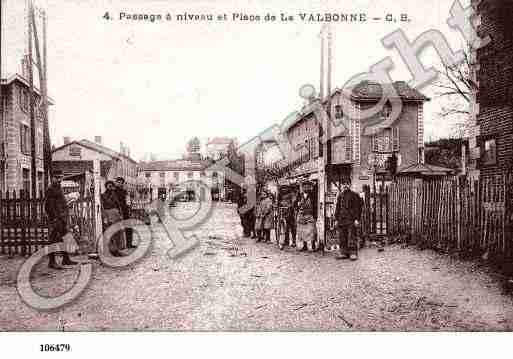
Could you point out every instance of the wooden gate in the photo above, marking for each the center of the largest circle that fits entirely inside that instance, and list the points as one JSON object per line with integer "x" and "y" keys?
{"x": 24, "y": 224}
{"x": 375, "y": 214}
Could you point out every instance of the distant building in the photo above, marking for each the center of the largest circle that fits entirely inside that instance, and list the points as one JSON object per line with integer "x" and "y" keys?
{"x": 172, "y": 177}
{"x": 75, "y": 157}
{"x": 193, "y": 149}
{"x": 492, "y": 142}
{"x": 219, "y": 147}
{"x": 15, "y": 144}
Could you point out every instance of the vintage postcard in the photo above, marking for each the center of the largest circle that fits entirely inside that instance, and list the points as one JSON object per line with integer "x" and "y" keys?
{"x": 256, "y": 165}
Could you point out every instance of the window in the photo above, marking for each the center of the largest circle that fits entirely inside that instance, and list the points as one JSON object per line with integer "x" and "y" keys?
{"x": 148, "y": 174}
{"x": 386, "y": 141}
{"x": 176, "y": 174}
{"x": 387, "y": 110}
{"x": 26, "y": 180}
{"x": 189, "y": 174}
{"x": 39, "y": 182}
{"x": 489, "y": 152}
{"x": 339, "y": 113}
{"x": 24, "y": 139}
{"x": 162, "y": 174}
{"x": 24, "y": 100}
{"x": 75, "y": 151}
{"x": 202, "y": 174}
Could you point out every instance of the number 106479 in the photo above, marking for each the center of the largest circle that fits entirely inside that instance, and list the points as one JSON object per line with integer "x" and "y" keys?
{"x": 55, "y": 347}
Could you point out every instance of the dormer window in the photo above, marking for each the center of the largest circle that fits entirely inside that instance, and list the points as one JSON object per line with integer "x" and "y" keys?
{"x": 339, "y": 113}
{"x": 387, "y": 110}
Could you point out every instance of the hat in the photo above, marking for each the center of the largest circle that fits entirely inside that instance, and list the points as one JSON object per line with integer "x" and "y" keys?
{"x": 109, "y": 182}
{"x": 120, "y": 179}
{"x": 57, "y": 173}
{"x": 346, "y": 179}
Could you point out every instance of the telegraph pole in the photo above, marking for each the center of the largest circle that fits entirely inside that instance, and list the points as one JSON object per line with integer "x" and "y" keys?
{"x": 47, "y": 160}
{"x": 4, "y": 180}
{"x": 324, "y": 128}
{"x": 32, "y": 103}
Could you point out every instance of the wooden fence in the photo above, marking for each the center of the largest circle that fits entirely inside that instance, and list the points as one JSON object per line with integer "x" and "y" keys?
{"x": 450, "y": 214}
{"x": 24, "y": 225}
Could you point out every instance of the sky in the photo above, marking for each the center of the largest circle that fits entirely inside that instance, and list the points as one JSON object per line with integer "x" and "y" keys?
{"x": 155, "y": 85}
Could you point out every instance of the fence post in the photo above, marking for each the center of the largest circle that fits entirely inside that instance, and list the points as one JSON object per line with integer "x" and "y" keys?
{"x": 458, "y": 213}
{"x": 96, "y": 201}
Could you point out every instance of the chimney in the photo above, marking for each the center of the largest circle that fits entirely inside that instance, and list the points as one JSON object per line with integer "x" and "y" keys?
{"x": 67, "y": 140}
{"x": 98, "y": 139}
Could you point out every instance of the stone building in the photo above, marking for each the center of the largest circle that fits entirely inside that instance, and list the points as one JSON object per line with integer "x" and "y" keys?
{"x": 356, "y": 154}
{"x": 218, "y": 147}
{"x": 172, "y": 177}
{"x": 15, "y": 144}
{"x": 492, "y": 142}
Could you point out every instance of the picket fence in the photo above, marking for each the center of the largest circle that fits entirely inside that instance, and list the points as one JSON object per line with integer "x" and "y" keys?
{"x": 24, "y": 224}
{"x": 454, "y": 214}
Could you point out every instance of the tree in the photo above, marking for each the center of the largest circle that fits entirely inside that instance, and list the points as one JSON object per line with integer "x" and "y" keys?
{"x": 455, "y": 89}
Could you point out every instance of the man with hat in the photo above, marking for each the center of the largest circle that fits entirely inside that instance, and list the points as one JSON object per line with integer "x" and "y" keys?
{"x": 56, "y": 208}
{"x": 125, "y": 208}
{"x": 111, "y": 215}
{"x": 348, "y": 211}
{"x": 267, "y": 215}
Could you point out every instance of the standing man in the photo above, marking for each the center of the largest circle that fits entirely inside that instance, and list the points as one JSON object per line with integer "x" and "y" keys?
{"x": 267, "y": 216}
{"x": 112, "y": 214}
{"x": 125, "y": 208}
{"x": 241, "y": 202}
{"x": 290, "y": 203}
{"x": 347, "y": 214}
{"x": 56, "y": 209}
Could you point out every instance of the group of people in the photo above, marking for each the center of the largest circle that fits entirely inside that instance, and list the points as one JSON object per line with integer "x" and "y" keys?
{"x": 297, "y": 208}
{"x": 114, "y": 208}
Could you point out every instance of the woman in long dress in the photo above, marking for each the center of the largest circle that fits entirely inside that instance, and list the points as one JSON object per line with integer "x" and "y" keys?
{"x": 305, "y": 235}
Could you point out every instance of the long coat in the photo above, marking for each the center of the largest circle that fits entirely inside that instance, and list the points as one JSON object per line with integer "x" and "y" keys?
{"x": 267, "y": 213}
{"x": 122, "y": 197}
{"x": 348, "y": 208}
{"x": 56, "y": 209}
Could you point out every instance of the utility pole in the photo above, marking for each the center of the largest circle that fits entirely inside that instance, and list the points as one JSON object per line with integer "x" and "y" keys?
{"x": 47, "y": 160}
{"x": 2, "y": 151}
{"x": 32, "y": 103}
{"x": 324, "y": 128}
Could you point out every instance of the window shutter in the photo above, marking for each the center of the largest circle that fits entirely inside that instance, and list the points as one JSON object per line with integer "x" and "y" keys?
{"x": 348, "y": 148}
{"x": 374, "y": 143}
{"x": 395, "y": 134}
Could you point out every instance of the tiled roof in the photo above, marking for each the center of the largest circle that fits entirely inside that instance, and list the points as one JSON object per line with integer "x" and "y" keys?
{"x": 175, "y": 165}
{"x": 364, "y": 91}
{"x": 367, "y": 90}
{"x": 96, "y": 147}
{"x": 22, "y": 80}
{"x": 426, "y": 170}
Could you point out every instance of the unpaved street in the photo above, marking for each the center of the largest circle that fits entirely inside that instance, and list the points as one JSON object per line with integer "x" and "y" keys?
{"x": 231, "y": 283}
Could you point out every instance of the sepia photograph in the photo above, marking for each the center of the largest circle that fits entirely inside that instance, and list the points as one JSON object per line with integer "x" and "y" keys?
{"x": 255, "y": 166}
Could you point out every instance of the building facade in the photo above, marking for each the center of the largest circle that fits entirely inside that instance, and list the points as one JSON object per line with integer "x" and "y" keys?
{"x": 15, "y": 136}
{"x": 355, "y": 153}
{"x": 76, "y": 157}
{"x": 173, "y": 177}
{"x": 492, "y": 141}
